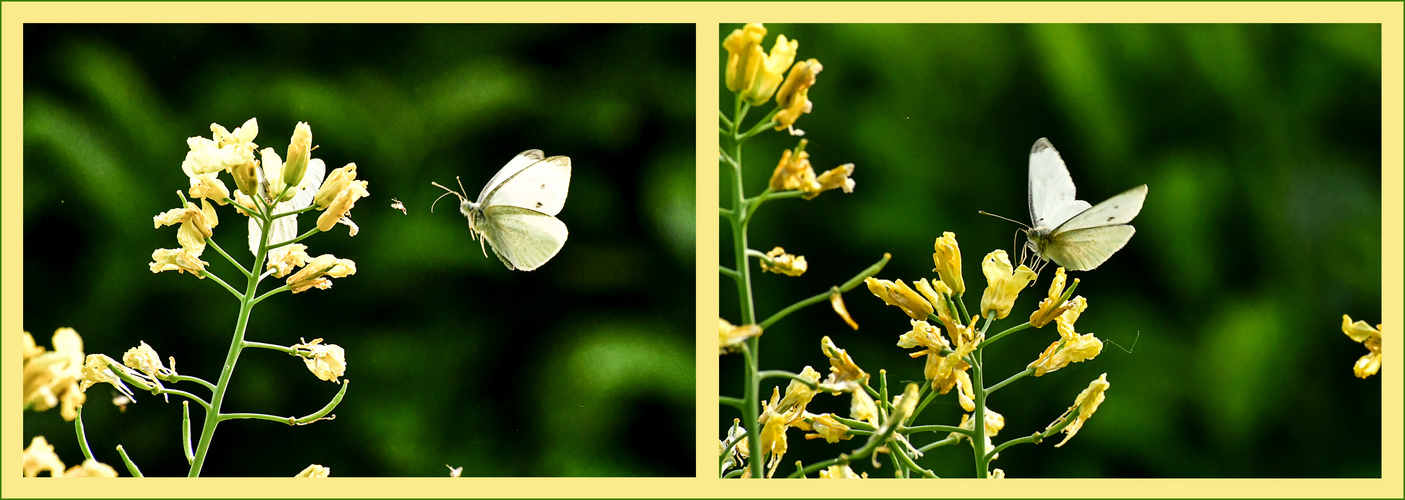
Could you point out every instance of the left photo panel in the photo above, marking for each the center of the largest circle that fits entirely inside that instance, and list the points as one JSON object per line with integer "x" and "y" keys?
{"x": 225, "y": 225}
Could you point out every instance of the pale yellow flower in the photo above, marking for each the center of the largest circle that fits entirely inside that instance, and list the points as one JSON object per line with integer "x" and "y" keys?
{"x": 862, "y": 407}
{"x": 923, "y": 335}
{"x": 194, "y": 227}
{"x": 340, "y": 208}
{"x": 209, "y": 187}
{"x": 900, "y": 295}
{"x": 797, "y": 394}
{"x": 793, "y": 99}
{"x": 732, "y": 336}
{"x": 1005, "y": 283}
{"x": 1362, "y": 332}
{"x": 944, "y": 371}
{"x": 834, "y": 178}
{"x": 841, "y": 472}
{"x": 994, "y": 423}
{"x": 773, "y": 426}
{"x": 1086, "y": 403}
{"x": 937, "y": 294}
{"x": 328, "y": 361}
{"x": 1065, "y": 321}
{"x": 315, "y": 470}
{"x": 836, "y": 301}
{"x": 1047, "y": 311}
{"x": 39, "y": 457}
{"x": 177, "y": 259}
{"x": 98, "y": 369}
{"x": 1064, "y": 351}
{"x": 317, "y": 273}
{"x": 337, "y": 181}
{"x": 824, "y": 426}
{"x": 51, "y": 378}
{"x": 841, "y": 367}
{"x": 91, "y": 468}
{"x": 295, "y": 257}
{"x": 997, "y": 474}
{"x": 145, "y": 360}
{"x": 947, "y": 257}
{"x": 779, "y": 262}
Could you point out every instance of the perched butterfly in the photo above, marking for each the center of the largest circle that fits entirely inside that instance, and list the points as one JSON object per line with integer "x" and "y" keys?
{"x": 515, "y": 211}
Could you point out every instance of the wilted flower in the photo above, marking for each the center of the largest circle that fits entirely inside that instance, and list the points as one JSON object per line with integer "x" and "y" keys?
{"x": 145, "y": 360}
{"x": 779, "y": 262}
{"x": 836, "y": 301}
{"x": 98, "y": 369}
{"x": 794, "y": 173}
{"x": 1362, "y": 332}
{"x": 317, "y": 273}
{"x": 1005, "y": 283}
{"x": 328, "y": 361}
{"x": 798, "y": 394}
{"x": 1047, "y": 310}
{"x": 834, "y": 178}
{"x": 733, "y": 336}
{"x": 295, "y": 257}
{"x": 341, "y": 206}
{"x": 178, "y": 259}
{"x": 862, "y": 407}
{"x": 825, "y": 427}
{"x": 194, "y": 227}
{"x": 773, "y": 426}
{"x": 794, "y": 96}
{"x": 1086, "y": 403}
{"x": 841, "y": 367}
{"x": 899, "y": 294}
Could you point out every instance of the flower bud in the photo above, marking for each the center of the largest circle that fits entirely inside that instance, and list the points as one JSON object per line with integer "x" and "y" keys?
{"x": 336, "y": 182}
{"x": 246, "y": 177}
{"x": 299, "y": 152}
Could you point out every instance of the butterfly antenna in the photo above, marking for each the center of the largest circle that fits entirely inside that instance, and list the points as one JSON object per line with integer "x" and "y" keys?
{"x": 983, "y": 212}
{"x": 449, "y": 192}
{"x": 461, "y": 189}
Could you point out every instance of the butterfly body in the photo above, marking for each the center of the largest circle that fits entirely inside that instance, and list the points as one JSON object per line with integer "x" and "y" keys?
{"x": 515, "y": 212}
{"x": 1068, "y": 231}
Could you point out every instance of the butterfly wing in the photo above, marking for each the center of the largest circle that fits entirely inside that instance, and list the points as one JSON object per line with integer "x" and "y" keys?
{"x": 1085, "y": 249}
{"x": 539, "y": 187}
{"x": 1051, "y": 191}
{"x": 523, "y": 239}
{"x": 1116, "y": 210}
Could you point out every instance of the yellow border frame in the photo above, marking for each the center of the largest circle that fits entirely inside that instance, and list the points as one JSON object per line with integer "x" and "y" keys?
{"x": 706, "y": 16}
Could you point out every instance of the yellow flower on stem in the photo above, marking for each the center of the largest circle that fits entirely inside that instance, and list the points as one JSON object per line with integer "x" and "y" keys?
{"x": 285, "y": 262}
{"x": 98, "y": 369}
{"x": 797, "y": 394}
{"x": 327, "y": 362}
{"x": 1071, "y": 347}
{"x": 194, "y": 227}
{"x": 334, "y": 185}
{"x": 1086, "y": 403}
{"x": 339, "y": 210}
{"x": 145, "y": 360}
{"x": 1362, "y": 332}
{"x": 178, "y": 259}
{"x": 51, "y": 378}
{"x": 773, "y": 426}
{"x": 1047, "y": 310}
{"x": 937, "y": 296}
{"x": 900, "y": 295}
{"x": 841, "y": 367}
{"x": 944, "y": 371}
{"x": 794, "y": 173}
{"x": 317, "y": 273}
{"x": 793, "y": 99}
{"x": 39, "y": 457}
{"x": 750, "y": 71}
{"x": 947, "y": 257}
{"x": 732, "y": 336}
{"x": 299, "y": 153}
{"x": 1005, "y": 283}
{"x": 824, "y": 426}
{"x": 834, "y": 178}
{"x": 862, "y": 407}
{"x": 779, "y": 262}
{"x": 924, "y": 335}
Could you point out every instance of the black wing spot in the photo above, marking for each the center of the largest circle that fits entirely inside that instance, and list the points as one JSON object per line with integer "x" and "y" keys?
{"x": 539, "y": 205}
{"x": 543, "y": 186}
{"x": 1109, "y": 219}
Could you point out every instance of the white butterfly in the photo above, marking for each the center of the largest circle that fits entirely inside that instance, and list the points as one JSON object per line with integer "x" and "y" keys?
{"x": 1068, "y": 231}
{"x": 514, "y": 212}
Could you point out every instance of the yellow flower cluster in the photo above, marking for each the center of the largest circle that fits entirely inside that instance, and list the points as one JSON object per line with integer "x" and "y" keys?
{"x": 794, "y": 172}
{"x": 51, "y": 377}
{"x": 779, "y": 262}
{"x": 755, "y": 75}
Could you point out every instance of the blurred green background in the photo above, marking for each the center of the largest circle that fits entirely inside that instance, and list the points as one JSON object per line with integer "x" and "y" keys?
{"x": 1260, "y": 145}
{"x": 583, "y": 367}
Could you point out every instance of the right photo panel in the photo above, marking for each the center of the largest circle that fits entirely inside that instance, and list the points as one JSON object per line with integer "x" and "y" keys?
{"x": 1050, "y": 250}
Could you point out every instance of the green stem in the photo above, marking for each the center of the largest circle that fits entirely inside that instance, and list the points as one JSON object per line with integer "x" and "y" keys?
{"x": 728, "y": 272}
{"x": 907, "y": 462}
{"x": 186, "y": 395}
{"x": 785, "y": 374}
{"x": 737, "y": 403}
{"x": 274, "y": 347}
{"x": 752, "y": 412}
{"x": 1027, "y": 372}
{"x": 226, "y": 286}
{"x": 183, "y": 378}
{"x": 292, "y": 212}
{"x": 131, "y": 467}
{"x": 236, "y": 344}
{"x": 726, "y": 122}
{"x": 822, "y": 296}
{"x": 948, "y": 441}
{"x": 300, "y": 237}
{"x": 216, "y": 246}
{"x": 755, "y": 203}
{"x": 936, "y": 428}
{"x": 331, "y": 405}
{"x": 82, "y": 435}
{"x": 1038, "y": 436}
{"x": 1012, "y": 329}
{"x": 978, "y": 420}
{"x": 854, "y": 424}
{"x": 272, "y": 292}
